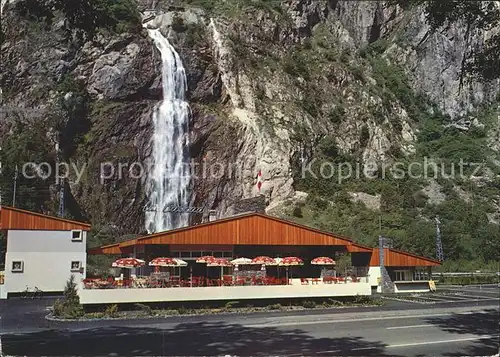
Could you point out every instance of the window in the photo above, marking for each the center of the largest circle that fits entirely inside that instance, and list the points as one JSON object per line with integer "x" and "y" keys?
{"x": 76, "y": 265}
{"x": 196, "y": 254}
{"x": 17, "y": 266}
{"x": 218, "y": 254}
{"x": 399, "y": 275}
{"x": 185, "y": 254}
{"x": 419, "y": 275}
{"x": 76, "y": 236}
{"x": 227, "y": 254}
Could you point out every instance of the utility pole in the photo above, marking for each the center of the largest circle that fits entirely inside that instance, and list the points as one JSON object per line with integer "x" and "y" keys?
{"x": 60, "y": 181}
{"x": 439, "y": 244}
{"x": 15, "y": 188}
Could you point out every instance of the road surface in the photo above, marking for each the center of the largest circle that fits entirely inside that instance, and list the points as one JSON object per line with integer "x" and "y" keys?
{"x": 407, "y": 329}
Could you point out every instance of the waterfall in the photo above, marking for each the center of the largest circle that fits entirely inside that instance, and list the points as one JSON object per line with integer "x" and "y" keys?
{"x": 169, "y": 176}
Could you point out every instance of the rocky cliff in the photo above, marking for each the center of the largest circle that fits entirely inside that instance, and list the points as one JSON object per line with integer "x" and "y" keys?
{"x": 273, "y": 86}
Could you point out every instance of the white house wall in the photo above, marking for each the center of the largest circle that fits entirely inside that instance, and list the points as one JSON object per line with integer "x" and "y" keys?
{"x": 374, "y": 275}
{"x": 47, "y": 257}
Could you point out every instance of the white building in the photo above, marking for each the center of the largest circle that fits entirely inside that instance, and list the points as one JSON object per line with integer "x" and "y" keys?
{"x": 42, "y": 251}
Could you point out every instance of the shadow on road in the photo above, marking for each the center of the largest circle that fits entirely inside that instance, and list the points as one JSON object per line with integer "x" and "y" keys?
{"x": 483, "y": 323}
{"x": 192, "y": 339}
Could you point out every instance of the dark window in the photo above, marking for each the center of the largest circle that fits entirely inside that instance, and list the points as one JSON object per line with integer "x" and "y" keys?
{"x": 75, "y": 265}
{"x": 76, "y": 235}
{"x": 17, "y": 266}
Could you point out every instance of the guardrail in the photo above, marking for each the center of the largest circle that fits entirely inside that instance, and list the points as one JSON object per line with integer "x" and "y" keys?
{"x": 466, "y": 274}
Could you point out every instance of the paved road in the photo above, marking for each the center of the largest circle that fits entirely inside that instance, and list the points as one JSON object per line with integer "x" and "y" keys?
{"x": 403, "y": 329}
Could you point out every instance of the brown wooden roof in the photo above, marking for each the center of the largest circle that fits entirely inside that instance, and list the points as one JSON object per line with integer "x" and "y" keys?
{"x": 247, "y": 229}
{"x": 14, "y": 218}
{"x": 397, "y": 258}
{"x": 359, "y": 248}
{"x": 261, "y": 229}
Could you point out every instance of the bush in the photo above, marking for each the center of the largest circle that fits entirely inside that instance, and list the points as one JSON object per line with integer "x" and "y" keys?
{"x": 145, "y": 309}
{"x": 362, "y": 300}
{"x": 111, "y": 311}
{"x": 275, "y": 307}
{"x": 308, "y": 304}
{"x": 297, "y": 212}
{"x": 333, "y": 302}
{"x": 230, "y": 304}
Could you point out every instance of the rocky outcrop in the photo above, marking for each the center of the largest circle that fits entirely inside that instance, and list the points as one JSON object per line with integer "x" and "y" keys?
{"x": 268, "y": 91}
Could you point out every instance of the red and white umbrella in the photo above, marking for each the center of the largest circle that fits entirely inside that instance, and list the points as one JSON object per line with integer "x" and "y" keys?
{"x": 163, "y": 262}
{"x": 264, "y": 260}
{"x": 291, "y": 261}
{"x": 205, "y": 259}
{"x": 128, "y": 263}
{"x": 323, "y": 261}
{"x": 220, "y": 262}
{"x": 167, "y": 262}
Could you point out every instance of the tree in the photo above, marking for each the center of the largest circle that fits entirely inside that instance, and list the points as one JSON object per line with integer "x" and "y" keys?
{"x": 70, "y": 306}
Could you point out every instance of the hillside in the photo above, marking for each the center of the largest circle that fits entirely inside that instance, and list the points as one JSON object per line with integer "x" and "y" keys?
{"x": 293, "y": 88}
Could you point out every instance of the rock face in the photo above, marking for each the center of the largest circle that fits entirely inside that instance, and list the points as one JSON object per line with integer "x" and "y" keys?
{"x": 266, "y": 88}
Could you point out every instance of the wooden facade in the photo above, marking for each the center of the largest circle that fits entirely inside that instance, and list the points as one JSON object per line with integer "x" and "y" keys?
{"x": 259, "y": 230}
{"x": 397, "y": 258}
{"x": 14, "y": 219}
{"x": 249, "y": 229}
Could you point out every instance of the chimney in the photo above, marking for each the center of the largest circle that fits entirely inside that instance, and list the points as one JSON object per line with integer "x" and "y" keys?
{"x": 212, "y": 215}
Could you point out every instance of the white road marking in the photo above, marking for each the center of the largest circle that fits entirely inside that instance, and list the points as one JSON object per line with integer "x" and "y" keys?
{"x": 363, "y": 348}
{"x": 440, "y": 341}
{"x": 413, "y": 344}
{"x": 403, "y": 327}
{"x": 354, "y": 320}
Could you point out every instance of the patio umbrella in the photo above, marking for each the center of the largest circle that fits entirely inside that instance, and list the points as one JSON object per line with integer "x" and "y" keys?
{"x": 263, "y": 260}
{"x": 220, "y": 262}
{"x": 324, "y": 261}
{"x": 163, "y": 262}
{"x": 205, "y": 260}
{"x": 128, "y": 263}
{"x": 290, "y": 261}
{"x": 241, "y": 261}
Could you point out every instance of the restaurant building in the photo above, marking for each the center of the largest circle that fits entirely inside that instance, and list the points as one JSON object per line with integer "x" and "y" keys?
{"x": 256, "y": 234}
